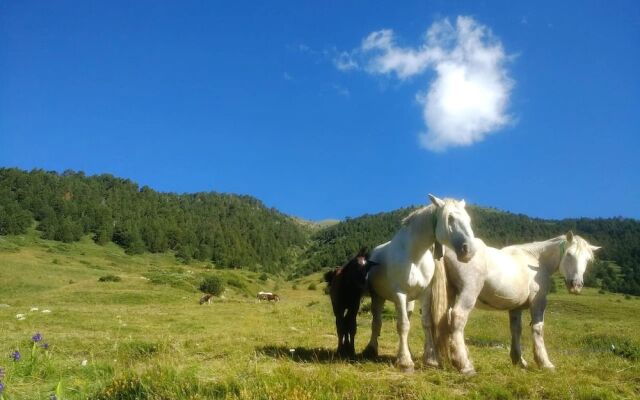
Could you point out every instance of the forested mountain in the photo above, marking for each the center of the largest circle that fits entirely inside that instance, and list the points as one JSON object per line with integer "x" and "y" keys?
{"x": 619, "y": 237}
{"x": 240, "y": 232}
{"x": 229, "y": 230}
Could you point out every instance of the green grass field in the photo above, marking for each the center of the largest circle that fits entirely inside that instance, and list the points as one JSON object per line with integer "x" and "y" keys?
{"x": 146, "y": 337}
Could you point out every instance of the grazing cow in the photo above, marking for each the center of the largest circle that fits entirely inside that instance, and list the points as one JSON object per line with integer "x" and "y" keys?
{"x": 206, "y": 299}
{"x": 268, "y": 296}
{"x": 347, "y": 285}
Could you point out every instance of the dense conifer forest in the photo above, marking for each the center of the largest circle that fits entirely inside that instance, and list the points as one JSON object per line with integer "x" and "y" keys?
{"x": 229, "y": 230}
{"x": 233, "y": 231}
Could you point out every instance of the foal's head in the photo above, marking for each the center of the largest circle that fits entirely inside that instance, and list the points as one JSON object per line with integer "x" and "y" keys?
{"x": 352, "y": 274}
{"x": 576, "y": 254}
{"x": 453, "y": 228}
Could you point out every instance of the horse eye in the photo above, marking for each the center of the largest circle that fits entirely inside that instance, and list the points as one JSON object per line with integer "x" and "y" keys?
{"x": 450, "y": 220}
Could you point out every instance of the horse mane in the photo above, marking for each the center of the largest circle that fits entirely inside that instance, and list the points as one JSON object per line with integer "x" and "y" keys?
{"x": 578, "y": 245}
{"x": 536, "y": 248}
{"x": 428, "y": 210}
{"x": 418, "y": 214}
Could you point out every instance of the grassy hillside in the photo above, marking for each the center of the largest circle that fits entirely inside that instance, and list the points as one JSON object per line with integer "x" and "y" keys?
{"x": 146, "y": 337}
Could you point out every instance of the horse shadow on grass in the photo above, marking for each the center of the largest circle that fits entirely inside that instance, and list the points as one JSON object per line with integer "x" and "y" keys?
{"x": 319, "y": 355}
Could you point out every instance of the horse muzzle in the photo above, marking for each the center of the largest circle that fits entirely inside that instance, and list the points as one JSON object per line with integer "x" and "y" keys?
{"x": 574, "y": 286}
{"x": 465, "y": 253}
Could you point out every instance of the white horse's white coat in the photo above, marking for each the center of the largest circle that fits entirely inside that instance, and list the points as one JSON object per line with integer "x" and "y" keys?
{"x": 512, "y": 279}
{"x": 406, "y": 268}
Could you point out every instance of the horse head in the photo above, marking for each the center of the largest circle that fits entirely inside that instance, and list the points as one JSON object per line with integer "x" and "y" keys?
{"x": 575, "y": 255}
{"x": 453, "y": 228}
{"x": 358, "y": 268}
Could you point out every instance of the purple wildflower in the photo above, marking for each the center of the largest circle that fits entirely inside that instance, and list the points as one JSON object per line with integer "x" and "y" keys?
{"x": 15, "y": 355}
{"x": 45, "y": 346}
{"x": 1, "y": 388}
{"x": 37, "y": 337}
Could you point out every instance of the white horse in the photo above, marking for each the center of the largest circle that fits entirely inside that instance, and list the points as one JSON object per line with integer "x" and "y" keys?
{"x": 512, "y": 279}
{"x": 405, "y": 270}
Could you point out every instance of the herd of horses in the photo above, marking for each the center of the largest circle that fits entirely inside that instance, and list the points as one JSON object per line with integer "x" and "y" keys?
{"x": 435, "y": 258}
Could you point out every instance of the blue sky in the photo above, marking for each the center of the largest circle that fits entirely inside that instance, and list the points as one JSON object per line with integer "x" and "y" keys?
{"x": 252, "y": 98}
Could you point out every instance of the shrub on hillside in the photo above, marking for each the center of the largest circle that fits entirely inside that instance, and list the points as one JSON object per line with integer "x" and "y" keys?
{"x": 312, "y": 286}
{"x": 212, "y": 285}
{"x": 109, "y": 278}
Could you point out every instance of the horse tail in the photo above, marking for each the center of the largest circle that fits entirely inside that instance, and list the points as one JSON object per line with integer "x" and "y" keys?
{"x": 440, "y": 303}
{"x": 329, "y": 275}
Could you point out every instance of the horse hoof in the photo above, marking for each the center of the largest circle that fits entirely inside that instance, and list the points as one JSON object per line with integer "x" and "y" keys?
{"x": 405, "y": 366}
{"x": 550, "y": 368}
{"x": 370, "y": 352}
{"x": 407, "y": 369}
{"x": 468, "y": 371}
{"x": 431, "y": 363}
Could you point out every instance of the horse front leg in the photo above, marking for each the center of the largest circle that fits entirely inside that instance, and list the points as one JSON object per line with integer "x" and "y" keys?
{"x": 515, "y": 324}
{"x": 377, "y": 305}
{"x": 537, "y": 325}
{"x": 459, "y": 352}
{"x": 404, "y": 361}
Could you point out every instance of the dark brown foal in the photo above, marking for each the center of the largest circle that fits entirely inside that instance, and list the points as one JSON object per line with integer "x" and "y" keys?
{"x": 347, "y": 285}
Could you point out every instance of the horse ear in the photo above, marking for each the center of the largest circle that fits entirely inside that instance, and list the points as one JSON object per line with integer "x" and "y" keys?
{"x": 438, "y": 250}
{"x": 436, "y": 201}
{"x": 569, "y": 236}
{"x": 462, "y": 203}
{"x": 594, "y": 248}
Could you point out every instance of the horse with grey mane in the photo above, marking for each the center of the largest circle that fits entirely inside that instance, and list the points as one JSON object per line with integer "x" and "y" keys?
{"x": 512, "y": 279}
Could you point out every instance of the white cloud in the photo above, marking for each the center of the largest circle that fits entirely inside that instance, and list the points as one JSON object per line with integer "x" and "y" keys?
{"x": 468, "y": 98}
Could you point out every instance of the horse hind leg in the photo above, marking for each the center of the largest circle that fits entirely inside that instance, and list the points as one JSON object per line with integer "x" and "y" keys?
{"x": 352, "y": 326}
{"x": 404, "y": 361}
{"x": 342, "y": 340}
{"x": 410, "y": 306}
{"x": 515, "y": 324}
{"x": 377, "y": 305}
